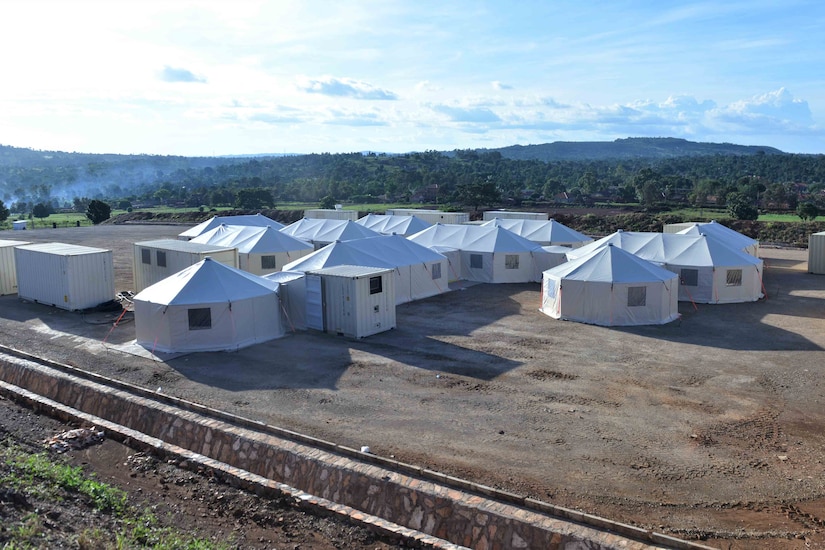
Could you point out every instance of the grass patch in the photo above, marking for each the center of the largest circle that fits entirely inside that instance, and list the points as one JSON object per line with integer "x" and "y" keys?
{"x": 41, "y": 476}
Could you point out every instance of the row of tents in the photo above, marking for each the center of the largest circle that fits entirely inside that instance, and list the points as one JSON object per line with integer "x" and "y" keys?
{"x": 626, "y": 278}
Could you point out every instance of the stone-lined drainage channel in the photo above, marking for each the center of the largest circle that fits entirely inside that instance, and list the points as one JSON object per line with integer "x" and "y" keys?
{"x": 424, "y": 508}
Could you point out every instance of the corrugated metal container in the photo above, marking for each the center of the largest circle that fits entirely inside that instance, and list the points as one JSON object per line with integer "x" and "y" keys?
{"x": 504, "y": 215}
{"x": 676, "y": 227}
{"x": 19, "y": 225}
{"x": 816, "y": 253}
{"x": 8, "y": 271}
{"x": 67, "y": 276}
{"x": 330, "y": 214}
{"x": 353, "y": 301}
{"x": 432, "y": 216}
{"x": 156, "y": 260}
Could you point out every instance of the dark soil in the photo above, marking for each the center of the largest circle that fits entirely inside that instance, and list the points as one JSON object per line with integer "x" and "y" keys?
{"x": 192, "y": 503}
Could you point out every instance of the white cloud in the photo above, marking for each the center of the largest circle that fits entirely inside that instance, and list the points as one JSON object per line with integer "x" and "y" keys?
{"x": 499, "y": 86}
{"x": 344, "y": 87}
{"x": 174, "y": 74}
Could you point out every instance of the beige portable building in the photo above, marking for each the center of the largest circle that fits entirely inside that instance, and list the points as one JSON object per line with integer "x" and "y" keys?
{"x": 66, "y": 276}
{"x": 156, "y": 260}
{"x": 349, "y": 300}
{"x": 505, "y": 215}
{"x": 816, "y": 253}
{"x": 431, "y": 216}
{"x": 8, "y": 270}
{"x": 331, "y": 214}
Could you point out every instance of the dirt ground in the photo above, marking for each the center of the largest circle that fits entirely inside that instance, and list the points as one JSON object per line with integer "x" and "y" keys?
{"x": 708, "y": 428}
{"x": 189, "y": 502}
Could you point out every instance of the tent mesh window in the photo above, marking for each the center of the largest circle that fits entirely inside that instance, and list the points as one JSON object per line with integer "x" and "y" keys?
{"x": 511, "y": 261}
{"x": 146, "y": 256}
{"x": 161, "y": 258}
{"x": 636, "y": 296}
{"x": 376, "y": 285}
{"x": 435, "y": 271}
{"x": 476, "y": 261}
{"x": 200, "y": 318}
{"x": 269, "y": 262}
{"x": 689, "y": 277}
{"x": 734, "y": 277}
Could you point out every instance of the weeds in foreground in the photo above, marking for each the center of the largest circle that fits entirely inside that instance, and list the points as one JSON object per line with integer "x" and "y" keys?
{"x": 39, "y": 475}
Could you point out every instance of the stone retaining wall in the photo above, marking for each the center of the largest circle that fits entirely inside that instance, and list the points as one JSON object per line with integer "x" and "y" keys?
{"x": 421, "y": 503}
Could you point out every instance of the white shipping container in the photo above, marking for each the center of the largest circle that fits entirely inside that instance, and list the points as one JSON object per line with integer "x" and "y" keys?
{"x": 354, "y": 301}
{"x": 330, "y": 214}
{"x": 432, "y": 216}
{"x": 8, "y": 271}
{"x": 504, "y": 215}
{"x": 66, "y": 276}
{"x": 156, "y": 260}
{"x": 816, "y": 253}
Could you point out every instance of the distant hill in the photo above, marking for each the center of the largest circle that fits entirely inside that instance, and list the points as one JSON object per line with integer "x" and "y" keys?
{"x": 628, "y": 148}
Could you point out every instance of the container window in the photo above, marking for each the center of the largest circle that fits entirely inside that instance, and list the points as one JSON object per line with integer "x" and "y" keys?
{"x": 689, "y": 277}
{"x": 376, "y": 285}
{"x": 200, "y": 318}
{"x": 161, "y": 257}
{"x": 146, "y": 256}
{"x": 476, "y": 261}
{"x": 269, "y": 262}
{"x": 435, "y": 271}
{"x": 511, "y": 261}
{"x": 636, "y": 296}
{"x": 734, "y": 277}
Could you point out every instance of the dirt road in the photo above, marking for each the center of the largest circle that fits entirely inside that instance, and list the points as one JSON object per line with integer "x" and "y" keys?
{"x": 710, "y": 427}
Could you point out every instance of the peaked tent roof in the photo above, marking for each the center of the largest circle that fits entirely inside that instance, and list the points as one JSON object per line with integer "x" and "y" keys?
{"x": 726, "y": 234}
{"x": 475, "y": 238}
{"x": 673, "y": 249}
{"x": 389, "y": 251}
{"x": 206, "y": 282}
{"x": 391, "y": 224}
{"x": 251, "y": 240}
{"x": 326, "y": 230}
{"x": 655, "y": 247}
{"x": 549, "y": 231}
{"x": 257, "y": 220}
{"x": 611, "y": 264}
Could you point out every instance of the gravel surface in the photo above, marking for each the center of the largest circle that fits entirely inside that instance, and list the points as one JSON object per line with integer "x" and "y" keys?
{"x": 708, "y": 428}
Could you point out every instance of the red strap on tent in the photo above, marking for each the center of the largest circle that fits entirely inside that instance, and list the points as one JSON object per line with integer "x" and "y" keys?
{"x": 682, "y": 281}
{"x": 122, "y": 313}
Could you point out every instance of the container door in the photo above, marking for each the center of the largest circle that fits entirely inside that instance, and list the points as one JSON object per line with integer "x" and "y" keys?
{"x": 314, "y": 302}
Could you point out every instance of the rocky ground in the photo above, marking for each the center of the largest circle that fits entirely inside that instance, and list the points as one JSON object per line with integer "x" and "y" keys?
{"x": 190, "y": 503}
{"x": 709, "y": 428}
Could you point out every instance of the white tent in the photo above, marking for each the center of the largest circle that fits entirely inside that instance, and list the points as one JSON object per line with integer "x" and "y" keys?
{"x": 207, "y": 307}
{"x": 255, "y": 220}
{"x": 727, "y": 235}
{"x": 419, "y": 271}
{"x": 489, "y": 254}
{"x": 261, "y": 250}
{"x": 610, "y": 287}
{"x": 388, "y": 224}
{"x": 321, "y": 232}
{"x": 710, "y": 271}
{"x": 543, "y": 232}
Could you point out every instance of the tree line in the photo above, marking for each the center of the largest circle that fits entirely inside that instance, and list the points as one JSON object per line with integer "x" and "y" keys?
{"x": 462, "y": 178}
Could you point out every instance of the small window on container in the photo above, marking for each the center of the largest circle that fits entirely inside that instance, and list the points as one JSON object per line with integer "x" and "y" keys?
{"x": 435, "y": 271}
{"x": 511, "y": 261}
{"x": 376, "y": 285}
{"x": 161, "y": 257}
{"x": 269, "y": 262}
{"x": 734, "y": 277}
{"x": 200, "y": 318}
{"x": 476, "y": 261}
{"x": 146, "y": 256}
{"x": 636, "y": 296}
{"x": 689, "y": 277}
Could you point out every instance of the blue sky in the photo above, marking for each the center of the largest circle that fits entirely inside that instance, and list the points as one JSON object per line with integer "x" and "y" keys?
{"x": 245, "y": 77}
